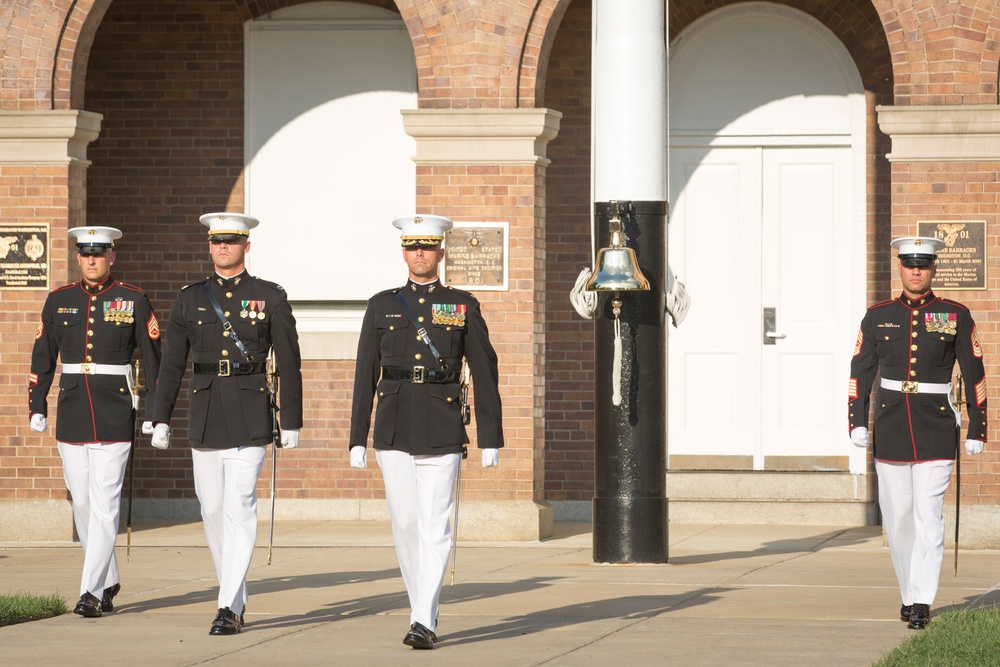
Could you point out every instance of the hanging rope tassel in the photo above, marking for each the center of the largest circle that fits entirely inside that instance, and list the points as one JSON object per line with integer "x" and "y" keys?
{"x": 616, "y": 372}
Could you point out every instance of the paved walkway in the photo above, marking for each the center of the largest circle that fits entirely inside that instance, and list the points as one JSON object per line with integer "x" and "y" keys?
{"x": 738, "y": 595}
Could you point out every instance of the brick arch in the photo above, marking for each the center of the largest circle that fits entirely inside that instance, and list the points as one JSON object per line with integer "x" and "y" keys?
{"x": 39, "y": 41}
{"x": 507, "y": 44}
{"x": 856, "y": 24}
{"x": 251, "y": 9}
{"x": 68, "y": 83}
{"x": 481, "y": 57}
{"x": 48, "y": 44}
{"x": 537, "y": 48}
{"x": 943, "y": 53}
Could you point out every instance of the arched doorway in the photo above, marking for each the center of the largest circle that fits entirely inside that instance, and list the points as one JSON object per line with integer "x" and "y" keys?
{"x": 767, "y": 181}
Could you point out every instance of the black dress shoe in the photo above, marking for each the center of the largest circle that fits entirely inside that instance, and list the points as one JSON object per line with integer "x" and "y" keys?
{"x": 904, "y": 612}
{"x": 920, "y": 616}
{"x": 226, "y": 623}
{"x": 420, "y": 637}
{"x": 109, "y": 595}
{"x": 88, "y": 606}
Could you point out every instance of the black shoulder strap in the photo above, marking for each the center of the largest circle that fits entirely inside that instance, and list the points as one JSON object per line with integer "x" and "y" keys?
{"x": 422, "y": 332}
{"x": 225, "y": 323}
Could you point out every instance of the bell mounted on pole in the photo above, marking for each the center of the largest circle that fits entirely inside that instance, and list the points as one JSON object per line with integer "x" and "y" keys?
{"x": 617, "y": 269}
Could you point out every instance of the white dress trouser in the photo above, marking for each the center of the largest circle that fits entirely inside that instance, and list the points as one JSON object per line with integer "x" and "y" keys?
{"x": 419, "y": 491}
{"x": 94, "y": 475}
{"x": 225, "y": 481}
{"x": 911, "y": 496}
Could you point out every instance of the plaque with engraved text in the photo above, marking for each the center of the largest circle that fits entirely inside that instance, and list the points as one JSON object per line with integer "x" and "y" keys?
{"x": 961, "y": 264}
{"x": 24, "y": 256}
{"x": 476, "y": 256}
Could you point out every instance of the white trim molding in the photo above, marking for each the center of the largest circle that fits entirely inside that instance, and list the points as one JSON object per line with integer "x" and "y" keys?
{"x": 968, "y": 133}
{"x": 47, "y": 137}
{"x": 481, "y": 136}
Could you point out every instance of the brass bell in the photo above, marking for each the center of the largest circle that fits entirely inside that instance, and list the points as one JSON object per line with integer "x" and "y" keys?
{"x": 617, "y": 269}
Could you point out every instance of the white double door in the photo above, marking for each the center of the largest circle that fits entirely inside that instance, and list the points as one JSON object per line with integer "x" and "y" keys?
{"x": 756, "y": 231}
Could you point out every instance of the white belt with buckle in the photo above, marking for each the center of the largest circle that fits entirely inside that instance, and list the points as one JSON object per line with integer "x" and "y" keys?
{"x": 911, "y": 387}
{"x": 97, "y": 369}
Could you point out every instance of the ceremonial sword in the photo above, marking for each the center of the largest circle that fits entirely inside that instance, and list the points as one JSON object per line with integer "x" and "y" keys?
{"x": 958, "y": 461}
{"x": 136, "y": 387}
{"x": 454, "y": 531}
{"x": 272, "y": 396}
{"x": 466, "y": 418}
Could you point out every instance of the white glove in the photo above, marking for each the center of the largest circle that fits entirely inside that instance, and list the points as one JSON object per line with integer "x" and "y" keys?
{"x": 161, "y": 436}
{"x": 859, "y": 436}
{"x": 359, "y": 457}
{"x": 147, "y": 428}
{"x": 491, "y": 458}
{"x": 290, "y": 438}
{"x": 38, "y": 423}
{"x": 973, "y": 447}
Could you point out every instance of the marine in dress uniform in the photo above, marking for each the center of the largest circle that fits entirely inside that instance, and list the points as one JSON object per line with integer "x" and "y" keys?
{"x": 229, "y": 416}
{"x": 912, "y": 342}
{"x": 419, "y": 435}
{"x": 94, "y": 326}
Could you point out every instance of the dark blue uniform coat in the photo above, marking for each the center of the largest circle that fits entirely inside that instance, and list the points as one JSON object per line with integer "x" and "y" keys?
{"x": 917, "y": 340}
{"x": 424, "y": 418}
{"x": 103, "y": 324}
{"x": 231, "y": 411}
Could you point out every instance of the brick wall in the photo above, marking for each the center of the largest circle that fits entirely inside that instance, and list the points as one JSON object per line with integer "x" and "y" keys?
{"x": 30, "y": 468}
{"x": 569, "y": 371}
{"x": 943, "y": 52}
{"x": 514, "y": 194}
{"x": 961, "y": 191}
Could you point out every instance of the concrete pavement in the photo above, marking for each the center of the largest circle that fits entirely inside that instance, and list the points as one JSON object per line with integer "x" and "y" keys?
{"x": 731, "y": 594}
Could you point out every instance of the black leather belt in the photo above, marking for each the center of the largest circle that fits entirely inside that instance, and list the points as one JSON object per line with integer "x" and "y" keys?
{"x": 421, "y": 375}
{"x": 225, "y": 368}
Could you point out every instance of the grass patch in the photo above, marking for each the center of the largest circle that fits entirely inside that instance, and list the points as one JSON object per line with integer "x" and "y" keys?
{"x": 22, "y": 607}
{"x": 961, "y": 638}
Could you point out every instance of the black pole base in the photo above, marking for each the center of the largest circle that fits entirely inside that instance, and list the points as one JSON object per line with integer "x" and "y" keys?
{"x": 630, "y": 530}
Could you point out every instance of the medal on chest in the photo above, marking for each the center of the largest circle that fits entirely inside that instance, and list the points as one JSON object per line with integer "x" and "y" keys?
{"x": 946, "y": 323}
{"x": 449, "y": 314}
{"x": 253, "y": 310}
{"x": 119, "y": 311}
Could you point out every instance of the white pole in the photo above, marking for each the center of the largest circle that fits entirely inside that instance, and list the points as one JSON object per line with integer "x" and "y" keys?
{"x": 630, "y": 100}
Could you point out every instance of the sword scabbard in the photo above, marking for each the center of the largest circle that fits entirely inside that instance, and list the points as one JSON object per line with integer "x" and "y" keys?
{"x": 958, "y": 488}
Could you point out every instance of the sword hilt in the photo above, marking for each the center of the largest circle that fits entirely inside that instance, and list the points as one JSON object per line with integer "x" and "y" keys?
{"x": 137, "y": 385}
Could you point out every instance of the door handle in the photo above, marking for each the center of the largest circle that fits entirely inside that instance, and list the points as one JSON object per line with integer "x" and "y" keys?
{"x": 770, "y": 321}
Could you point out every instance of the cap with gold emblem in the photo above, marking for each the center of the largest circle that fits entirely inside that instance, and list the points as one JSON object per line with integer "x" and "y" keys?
{"x": 94, "y": 240}
{"x": 228, "y": 226}
{"x": 917, "y": 250}
{"x": 422, "y": 229}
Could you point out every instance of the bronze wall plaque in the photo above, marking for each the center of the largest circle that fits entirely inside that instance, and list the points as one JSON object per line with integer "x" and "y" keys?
{"x": 961, "y": 263}
{"x": 24, "y": 256}
{"x": 476, "y": 256}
